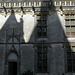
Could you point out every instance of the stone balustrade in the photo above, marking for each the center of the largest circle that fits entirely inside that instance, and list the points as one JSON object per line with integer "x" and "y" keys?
{"x": 37, "y": 3}
{"x": 25, "y": 4}
{"x": 64, "y": 3}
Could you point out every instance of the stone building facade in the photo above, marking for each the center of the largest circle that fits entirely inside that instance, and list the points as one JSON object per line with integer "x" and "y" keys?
{"x": 37, "y": 35}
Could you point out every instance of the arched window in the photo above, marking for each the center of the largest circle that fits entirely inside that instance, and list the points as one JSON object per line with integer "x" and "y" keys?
{"x": 12, "y": 64}
{"x": 12, "y": 56}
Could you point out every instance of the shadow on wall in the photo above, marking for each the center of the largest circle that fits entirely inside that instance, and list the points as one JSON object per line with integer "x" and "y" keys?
{"x": 23, "y": 30}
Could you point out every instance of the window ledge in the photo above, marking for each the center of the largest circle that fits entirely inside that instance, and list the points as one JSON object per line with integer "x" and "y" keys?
{"x": 42, "y": 73}
{"x": 42, "y": 39}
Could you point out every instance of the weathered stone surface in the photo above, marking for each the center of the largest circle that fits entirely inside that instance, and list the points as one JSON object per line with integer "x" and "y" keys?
{"x": 18, "y": 36}
{"x": 2, "y": 58}
{"x": 56, "y": 28}
{"x": 25, "y": 26}
{"x": 27, "y": 57}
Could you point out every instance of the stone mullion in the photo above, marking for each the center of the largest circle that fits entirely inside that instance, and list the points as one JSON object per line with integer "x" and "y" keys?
{"x": 13, "y": 37}
{"x": 19, "y": 58}
{"x": 35, "y": 59}
{"x": 41, "y": 26}
{"x": 48, "y": 58}
{"x": 42, "y": 56}
{"x": 6, "y": 65}
{"x": 72, "y": 60}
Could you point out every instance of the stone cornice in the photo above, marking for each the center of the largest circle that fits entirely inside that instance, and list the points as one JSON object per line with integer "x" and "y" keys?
{"x": 24, "y": 7}
{"x": 39, "y": 6}
{"x": 38, "y": 3}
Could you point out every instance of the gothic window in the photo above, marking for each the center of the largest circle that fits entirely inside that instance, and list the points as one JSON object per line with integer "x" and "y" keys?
{"x": 41, "y": 25}
{"x": 70, "y": 25}
{"x": 41, "y": 59}
{"x": 70, "y": 59}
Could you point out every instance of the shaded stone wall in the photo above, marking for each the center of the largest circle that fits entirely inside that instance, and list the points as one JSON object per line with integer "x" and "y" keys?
{"x": 27, "y": 58}
{"x": 26, "y": 27}
{"x": 2, "y": 58}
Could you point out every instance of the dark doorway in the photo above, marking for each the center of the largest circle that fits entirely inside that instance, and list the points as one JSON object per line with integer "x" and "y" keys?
{"x": 12, "y": 68}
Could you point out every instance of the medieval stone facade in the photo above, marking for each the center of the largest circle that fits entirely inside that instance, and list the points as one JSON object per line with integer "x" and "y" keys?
{"x": 37, "y": 35}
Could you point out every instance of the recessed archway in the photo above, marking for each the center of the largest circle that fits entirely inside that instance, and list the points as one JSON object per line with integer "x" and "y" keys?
{"x": 12, "y": 64}
{"x": 12, "y": 68}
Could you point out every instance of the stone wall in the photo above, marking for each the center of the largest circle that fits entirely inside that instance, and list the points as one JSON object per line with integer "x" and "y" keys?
{"x": 2, "y": 59}
{"x": 27, "y": 23}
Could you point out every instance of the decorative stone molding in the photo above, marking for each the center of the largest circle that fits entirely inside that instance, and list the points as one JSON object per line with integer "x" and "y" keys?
{"x": 2, "y": 39}
{"x": 22, "y": 11}
{"x": 69, "y": 11}
{"x": 52, "y": 12}
{"x": 21, "y": 7}
{"x": 65, "y": 3}
{"x": 68, "y": 44}
{"x": 37, "y": 3}
{"x": 60, "y": 12}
